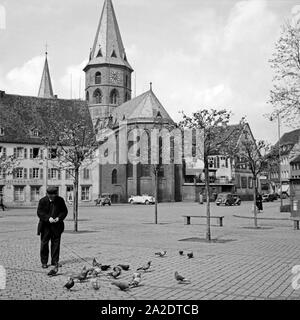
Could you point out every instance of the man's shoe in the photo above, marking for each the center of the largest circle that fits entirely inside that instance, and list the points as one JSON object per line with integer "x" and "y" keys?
{"x": 44, "y": 266}
{"x": 59, "y": 265}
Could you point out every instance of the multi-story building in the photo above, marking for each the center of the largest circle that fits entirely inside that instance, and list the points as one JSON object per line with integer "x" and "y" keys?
{"x": 37, "y": 166}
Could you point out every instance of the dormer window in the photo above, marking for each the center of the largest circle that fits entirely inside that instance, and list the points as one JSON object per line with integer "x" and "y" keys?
{"x": 34, "y": 132}
{"x": 1, "y": 131}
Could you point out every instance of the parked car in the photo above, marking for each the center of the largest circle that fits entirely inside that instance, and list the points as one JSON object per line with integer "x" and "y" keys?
{"x": 104, "y": 199}
{"x": 145, "y": 199}
{"x": 268, "y": 197}
{"x": 228, "y": 199}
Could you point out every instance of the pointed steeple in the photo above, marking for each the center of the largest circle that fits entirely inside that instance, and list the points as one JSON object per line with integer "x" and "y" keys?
{"x": 108, "y": 46}
{"x": 46, "y": 90}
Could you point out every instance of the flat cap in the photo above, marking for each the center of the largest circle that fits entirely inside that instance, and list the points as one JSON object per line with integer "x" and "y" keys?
{"x": 52, "y": 190}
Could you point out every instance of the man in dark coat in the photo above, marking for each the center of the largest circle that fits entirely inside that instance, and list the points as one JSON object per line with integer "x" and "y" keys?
{"x": 52, "y": 211}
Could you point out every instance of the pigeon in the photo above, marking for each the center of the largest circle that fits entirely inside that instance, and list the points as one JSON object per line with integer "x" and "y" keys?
{"x": 115, "y": 274}
{"x": 95, "y": 284}
{"x": 69, "y": 284}
{"x": 83, "y": 274}
{"x": 181, "y": 252}
{"x": 122, "y": 285}
{"x": 137, "y": 275}
{"x": 53, "y": 271}
{"x": 124, "y": 266}
{"x": 180, "y": 278}
{"x": 96, "y": 264}
{"x": 136, "y": 279}
{"x": 161, "y": 253}
{"x": 145, "y": 267}
{"x": 190, "y": 255}
{"x": 105, "y": 267}
{"x": 96, "y": 271}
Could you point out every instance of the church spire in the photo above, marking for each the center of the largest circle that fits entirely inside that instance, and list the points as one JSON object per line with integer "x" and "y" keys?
{"x": 108, "y": 46}
{"x": 46, "y": 90}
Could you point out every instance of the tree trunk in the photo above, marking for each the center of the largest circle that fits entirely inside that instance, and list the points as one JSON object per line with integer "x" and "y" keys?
{"x": 208, "y": 234}
{"x": 75, "y": 199}
{"x": 254, "y": 203}
{"x": 156, "y": 194}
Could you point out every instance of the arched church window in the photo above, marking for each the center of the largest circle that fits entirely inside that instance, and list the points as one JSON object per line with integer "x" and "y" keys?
{"x": 98, "y": 78}
{"x": 127, "y": 96}
{"x": 114, "y": 96}
{"x": 98, "y": 96}
{"x": 114, "y": 176}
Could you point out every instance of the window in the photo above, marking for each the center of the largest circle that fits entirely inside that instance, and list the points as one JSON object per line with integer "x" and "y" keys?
{"x": 127, "y": 96}
{"x": 35, "y": 193}
{"x": 238, "y": 181}
{"x": 20, "y": 153}
{"x": 2, "y": 173}
{"x": 18, "y": 173}
{"x": 85, "y": 193}
{"x": 19, "y": 194}
{"x": 244, "y": 182}
{"x": 34, "y": 153}
{"x": 34, "y": 173}
{"x": 34, "y": 132}
{"x": 1, "y": 190}
{"x": 126, "y": 81}
{"x": 114, "y": 96}
{"x": 129, "y": 170}
{"x": 250, "y": 182}
{"x": 86, "y": 173}
{"x": 114, "y": 55}
{"x": 54, "y": 173}
{"x": 97, "y": 96}
{"x": 145, "y": 170}
{"x": 1, "y": 131}
{"x": 52, "y": 153}
{"x": 114, "y": 176}
{"x": 98, "y": 78}
{"x": 87, "y": 96}
{"x": 2, "y": 151}
{"x": 69, "y": 174}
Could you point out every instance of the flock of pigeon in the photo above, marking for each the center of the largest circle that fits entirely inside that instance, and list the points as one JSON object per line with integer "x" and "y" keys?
{"x": 97, "y": 269}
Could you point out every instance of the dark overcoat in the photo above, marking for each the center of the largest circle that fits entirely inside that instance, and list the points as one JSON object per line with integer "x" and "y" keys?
{"x": 43, "y": 211}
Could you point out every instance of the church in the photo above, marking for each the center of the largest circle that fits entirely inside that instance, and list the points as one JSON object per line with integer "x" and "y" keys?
{"x": 109, "y": 97}
{"x": 115, "y": 116}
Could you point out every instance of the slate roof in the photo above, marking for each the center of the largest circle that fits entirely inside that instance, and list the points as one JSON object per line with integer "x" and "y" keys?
{"x": 144, "y": 107}
{"x": 108, "y": 47}
{"x": 46, "y": 90}
{"x": 20, "y": 114}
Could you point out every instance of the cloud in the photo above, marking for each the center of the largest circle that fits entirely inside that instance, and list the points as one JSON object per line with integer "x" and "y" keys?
{"x": 25, "y": 80}
{"x": 73, "y": 77}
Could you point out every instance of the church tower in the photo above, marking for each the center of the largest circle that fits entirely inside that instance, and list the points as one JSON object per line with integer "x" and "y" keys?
{"x": 45, "y": 90}
{"x": 108, "y": 73}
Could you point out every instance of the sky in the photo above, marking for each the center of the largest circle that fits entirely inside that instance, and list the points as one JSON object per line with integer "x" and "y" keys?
{"x": 197, "y": 53}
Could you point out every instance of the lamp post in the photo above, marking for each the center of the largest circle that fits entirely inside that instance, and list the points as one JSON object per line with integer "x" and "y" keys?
{"x": 279, "y": 159}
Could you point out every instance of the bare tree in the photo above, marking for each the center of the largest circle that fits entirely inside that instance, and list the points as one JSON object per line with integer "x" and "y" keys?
{"x": 256, "y": 156}
{"x": 285, "y": 95}
{"x": 214, "y": 124}
{"x": 74, "y": 142}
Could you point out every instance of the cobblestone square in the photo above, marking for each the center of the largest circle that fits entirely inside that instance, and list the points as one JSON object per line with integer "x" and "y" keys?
{"x": 255, "y": 264}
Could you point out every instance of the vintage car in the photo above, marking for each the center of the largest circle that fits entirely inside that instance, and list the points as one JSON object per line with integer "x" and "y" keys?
{"x": 144, "y": 199}
{"x": 228, "y": 199}
{"x": 104, "y": 199}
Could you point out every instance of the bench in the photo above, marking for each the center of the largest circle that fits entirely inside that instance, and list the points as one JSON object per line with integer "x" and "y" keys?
{"x": 187, "y": 219}
{"x": 296, "y": 222}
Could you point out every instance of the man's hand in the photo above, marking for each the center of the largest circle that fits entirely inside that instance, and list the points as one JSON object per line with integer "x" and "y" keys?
{"x": 56, "y": 219}
{"x": 51, "y": 220}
